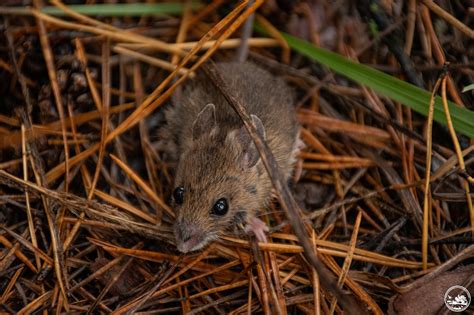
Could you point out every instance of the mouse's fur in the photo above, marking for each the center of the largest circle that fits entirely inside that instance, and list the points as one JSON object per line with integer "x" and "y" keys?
{"x": 217, "y": 158}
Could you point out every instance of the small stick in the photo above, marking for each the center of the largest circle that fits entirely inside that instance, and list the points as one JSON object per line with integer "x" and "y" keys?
{"x": 105, "y": 113}
{"x": 348, "y": 259}
{"x": 55, "y": 238}
{"x": 30, "y": 217}
{"x": 148, "y": 59}
{"x": 410, "y": 27}
{"x": 243, "y": 50}
{"x": 426, "y": 202}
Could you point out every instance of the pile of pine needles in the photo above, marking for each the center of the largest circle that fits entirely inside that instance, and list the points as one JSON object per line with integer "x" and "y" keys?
{"x": 379, "y": 216}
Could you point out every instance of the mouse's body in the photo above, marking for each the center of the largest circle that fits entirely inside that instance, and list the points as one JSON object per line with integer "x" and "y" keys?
{"x": 220, "y": 181}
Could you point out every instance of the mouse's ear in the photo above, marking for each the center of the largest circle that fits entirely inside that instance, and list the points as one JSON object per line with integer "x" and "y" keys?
{"x": 205, "y": 121}
{"x": 250, "y": 155}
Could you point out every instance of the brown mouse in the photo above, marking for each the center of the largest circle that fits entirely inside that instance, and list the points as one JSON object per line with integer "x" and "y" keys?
{"x": 220, "y": 180}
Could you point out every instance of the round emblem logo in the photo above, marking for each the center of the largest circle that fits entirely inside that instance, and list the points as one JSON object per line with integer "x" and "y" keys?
{"x": 457, "y": 298}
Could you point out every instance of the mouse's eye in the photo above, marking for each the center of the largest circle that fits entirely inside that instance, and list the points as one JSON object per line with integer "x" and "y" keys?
{"x": 220, "y": 207}
{"x": 178, "y": 195}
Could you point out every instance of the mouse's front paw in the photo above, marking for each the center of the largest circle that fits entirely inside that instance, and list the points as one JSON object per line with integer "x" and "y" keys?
{"x": 258, "y": 228}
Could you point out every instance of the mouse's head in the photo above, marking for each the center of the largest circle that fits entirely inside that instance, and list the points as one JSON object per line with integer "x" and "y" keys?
{"x": 216, "y": 182}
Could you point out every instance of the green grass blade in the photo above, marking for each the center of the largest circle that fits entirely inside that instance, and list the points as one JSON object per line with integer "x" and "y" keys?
{"x": 115, "y": 10}
{"x": 386, "y": 85}
{"x": 468, "y": 88}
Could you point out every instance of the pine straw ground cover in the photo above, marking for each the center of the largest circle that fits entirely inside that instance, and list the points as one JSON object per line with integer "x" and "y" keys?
{"x": 84, "y": 188}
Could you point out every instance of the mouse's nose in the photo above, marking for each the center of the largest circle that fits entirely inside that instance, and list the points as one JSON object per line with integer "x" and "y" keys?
{"x": 188, "y": 236}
